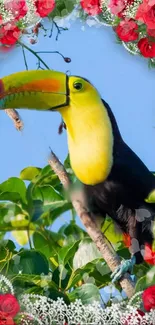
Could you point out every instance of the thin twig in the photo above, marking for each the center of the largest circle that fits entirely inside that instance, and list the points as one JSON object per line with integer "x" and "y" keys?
{"x": 51, "y": 33}
{"x": 35, "y": 54}
{"x": 58, "y": 30}
{"x": 24, "y": 56}
{"x": 39, "y": 66}
{"x": 51, "y": 52}
{"x": 15, "y": 117}
{"x": 79, "y": 204}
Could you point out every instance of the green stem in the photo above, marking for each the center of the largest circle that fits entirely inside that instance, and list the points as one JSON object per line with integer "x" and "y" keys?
{"x": 34, "y": 53}
{"x": 73, "y": 214}
{"x": 26, "y": 65}
{"x": 29, "y": 238}
{"x": 51, "y": 52}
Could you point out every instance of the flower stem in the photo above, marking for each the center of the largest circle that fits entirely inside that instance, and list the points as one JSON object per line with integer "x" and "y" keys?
{"x": 34, "y": 53}
{"x": 24, "y": 56}
{"x": 52, "y": 52}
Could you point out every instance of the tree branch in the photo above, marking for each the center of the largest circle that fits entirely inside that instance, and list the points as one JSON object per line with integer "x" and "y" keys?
{"x": 79, "y": 204}
{"x": 15, "y": 117}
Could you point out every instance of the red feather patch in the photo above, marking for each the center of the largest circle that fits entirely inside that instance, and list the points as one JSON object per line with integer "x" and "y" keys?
{"x": 1, "y": 87}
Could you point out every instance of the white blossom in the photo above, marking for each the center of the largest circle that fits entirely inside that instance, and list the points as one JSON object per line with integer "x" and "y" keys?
{"x": 41, "y": 310}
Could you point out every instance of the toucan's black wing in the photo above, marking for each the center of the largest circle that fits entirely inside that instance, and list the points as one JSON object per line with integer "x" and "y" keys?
{"x": 128, "y": 169}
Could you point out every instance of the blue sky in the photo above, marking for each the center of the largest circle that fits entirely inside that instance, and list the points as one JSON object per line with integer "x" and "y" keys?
{"x": 123, "y": 80}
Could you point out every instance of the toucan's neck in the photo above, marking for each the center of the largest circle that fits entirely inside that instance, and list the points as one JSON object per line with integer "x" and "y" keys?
{"x": 90, "y": 141}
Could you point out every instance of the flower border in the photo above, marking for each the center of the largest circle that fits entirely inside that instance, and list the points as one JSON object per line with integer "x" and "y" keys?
{"x": 128, "y": 22}
{"x": 37, "y": 309}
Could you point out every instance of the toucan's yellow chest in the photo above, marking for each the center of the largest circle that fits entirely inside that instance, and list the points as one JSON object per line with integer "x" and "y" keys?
{"x": 90, "y": 142}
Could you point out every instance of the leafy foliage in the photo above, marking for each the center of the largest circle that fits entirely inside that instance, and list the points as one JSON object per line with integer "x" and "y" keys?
{"x": 63, "y": 263}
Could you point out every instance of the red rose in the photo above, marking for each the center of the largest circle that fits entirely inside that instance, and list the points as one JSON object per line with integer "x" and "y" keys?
{"x": 9, "y": 304}
{"x": 146, "y": 47}
{"x": 5, "y": 319}
{"x": 146, "y": 13}
{"x": 151, "y": 32}
{"x": 92, "y": 7}
{"x": 9, "y": 34}
{"x": 44, "y": 7}
{"x": 117, "y": 7}
{"x": 17, "y": 7}
{"x": 127, "y": 30}
{"x": 148, "y": 298}
{"x": 129, "y": 319}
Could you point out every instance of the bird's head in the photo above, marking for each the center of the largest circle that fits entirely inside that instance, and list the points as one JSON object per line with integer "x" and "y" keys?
{"x": 89, "y": 129}
{"x": 45, "y": 90}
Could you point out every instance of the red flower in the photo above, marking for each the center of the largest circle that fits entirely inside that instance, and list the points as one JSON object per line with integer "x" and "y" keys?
{"x": 146, "y": 13}
{"x": 149, "y": 255}
{"x": 128, "y": 320}
{"x": 117, "y": 7}
{"x": 17, "y": 7}
{"x": 148, "y": 298}
{"x": 5, "y": 319}
{"x": 9, "y": 305}
{"x": 44, "y": 7}
{"x": 127, "y": 240}
{"x": 146, "y": 47}
{"x": 92, "y": 7}
{"x": 9, "y": 34}
{"x": 127, "y": 30}
{"x": 151, "y": 32}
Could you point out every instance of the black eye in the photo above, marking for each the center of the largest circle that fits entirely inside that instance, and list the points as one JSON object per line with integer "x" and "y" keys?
{"x": 77, "y": 85}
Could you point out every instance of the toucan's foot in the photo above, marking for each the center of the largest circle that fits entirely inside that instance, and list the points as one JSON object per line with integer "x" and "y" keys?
{"x": 125, "y": 266}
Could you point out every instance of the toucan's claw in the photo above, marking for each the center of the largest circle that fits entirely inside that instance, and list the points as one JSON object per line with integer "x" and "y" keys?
{"x": 125, "y": 266}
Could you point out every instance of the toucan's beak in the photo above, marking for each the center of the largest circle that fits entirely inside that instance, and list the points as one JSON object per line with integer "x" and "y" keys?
{"x": 36, "y": 89}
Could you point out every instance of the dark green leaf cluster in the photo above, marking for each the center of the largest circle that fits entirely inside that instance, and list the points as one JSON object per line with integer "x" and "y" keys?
{"x": 63, "y": 263}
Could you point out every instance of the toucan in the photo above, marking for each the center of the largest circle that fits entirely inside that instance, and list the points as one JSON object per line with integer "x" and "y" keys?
{"x": 116, "y": 182}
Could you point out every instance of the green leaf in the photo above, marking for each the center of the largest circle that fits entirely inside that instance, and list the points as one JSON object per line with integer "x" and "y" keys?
{"x": 63, "y": 8}
{"x": 61, "y": 276}
{"x": 12, "y": 217}
{"x": 124, "y": 253}
{"x": 88, "y": 293}
{"x": 13, "y": 189}
{"x": 22, "y": 236}
{"x": 7, "y": 249}
{"x": 55, "y": 294}
{"x": 29, "y": 173}
{"x": 31, "y": 262}
{"x": 46, "y": 243}
{"x": 75, "y": 231}
{"x": 37, "y": 280}
{"x": 47, "y": 176}
{"x": 67, "y": 252}
{"x": 49, "y": 217}
{"x": 86, "y": 253}
{"x": 97, "y": 270}
{"x": 109, "y": 230}
{"x": 146, "y": 281}
{"x": 53, "y": 204}
{"x": 47, "y": 194}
